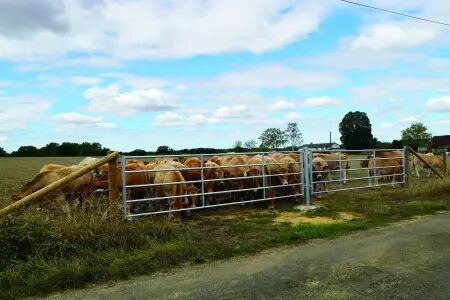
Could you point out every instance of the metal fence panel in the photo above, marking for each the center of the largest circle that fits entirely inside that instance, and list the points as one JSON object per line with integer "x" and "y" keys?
{"x": 255, "y": 182}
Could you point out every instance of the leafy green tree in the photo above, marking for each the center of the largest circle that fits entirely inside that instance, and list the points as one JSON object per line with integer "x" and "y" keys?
{"x": 356, "y": 131}
{"x": 396, "y": 144}
{"x": 237, "y": 144}
{"x": 3, "y": 153}
{"x": 138, "y": 152}
{"x": 294, "y": 135}
{"x": 26, "y": 151}
{"x": 51, "y": 149}
{"x": 415, "y": 135}
{"x": 250, "y": 144}
{"x": 164, "y": 150}
{"x": 273, "y": 138}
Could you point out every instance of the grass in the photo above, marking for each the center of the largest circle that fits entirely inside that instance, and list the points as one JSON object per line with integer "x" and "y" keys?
{"x": 43, "y": 251}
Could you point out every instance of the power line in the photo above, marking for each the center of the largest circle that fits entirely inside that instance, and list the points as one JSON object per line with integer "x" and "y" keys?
{"x": 396, "y": 13}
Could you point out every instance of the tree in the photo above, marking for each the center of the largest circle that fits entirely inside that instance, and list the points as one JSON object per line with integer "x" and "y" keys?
{"x": 164, "y": 150}
{"x": 237, "y": 144}
{"x": 396, "y": 144}
{"x": 356, "y": 131}
{"x": 273, "y": 138}
{"x": 415, "y": 135}
{"x": 137, "y": 152}
{"x": 3, "y": 153}
{"x": 250, "y": 144}
{"x": 27, "y": 151}
{"x": 294, "y": 135}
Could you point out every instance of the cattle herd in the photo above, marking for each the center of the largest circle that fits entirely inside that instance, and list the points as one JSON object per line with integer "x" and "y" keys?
{"x": 173, "y": 183}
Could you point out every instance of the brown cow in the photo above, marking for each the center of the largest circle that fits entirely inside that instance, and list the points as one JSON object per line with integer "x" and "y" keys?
{"x": 82, "y": 185}
{"x": 270, "y": 168}
{"x": 389, "y": 167}
{"x": 178, "y": 190}
{"x": 213, "y": 171}
{"x": 320, "y": 174}
{"x": 337, "y": 162}
{"x": 51, "y": 167}
{"x": 436, "y": 162}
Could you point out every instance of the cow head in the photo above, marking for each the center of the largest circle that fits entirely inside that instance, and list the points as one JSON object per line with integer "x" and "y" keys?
{"x": 283, "y": 175}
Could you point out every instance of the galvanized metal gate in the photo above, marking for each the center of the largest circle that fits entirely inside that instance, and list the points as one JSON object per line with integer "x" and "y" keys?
{"x": 146, "y": 191}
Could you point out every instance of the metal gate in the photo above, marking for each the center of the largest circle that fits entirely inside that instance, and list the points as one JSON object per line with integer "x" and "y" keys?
{"x": 190, "y": 182}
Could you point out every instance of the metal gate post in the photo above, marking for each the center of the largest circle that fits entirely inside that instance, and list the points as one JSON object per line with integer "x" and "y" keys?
{"x": 405, "y": 166}
{"x": 124, "y": 184}
{"x": 203, "y": 180}
{"x": 306, "y": 177}
{"x": 340, "y": 169}
{"x": 263, "y": 175}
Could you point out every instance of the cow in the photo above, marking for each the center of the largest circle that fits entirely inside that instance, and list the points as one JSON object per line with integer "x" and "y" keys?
{"x": 320, "y": 174}
{"x": 271, "y": 167}
{"x": 337, "y": 162}
{"x": 51, "y": 167}
{"x": 212, "y": 171}
{"x": 177, "y": 192}
{"x": 436, "y": 162}
{"x": 87, "y": 161}
{"x": 80, "y": 186}
{"x": 388, "y": 167}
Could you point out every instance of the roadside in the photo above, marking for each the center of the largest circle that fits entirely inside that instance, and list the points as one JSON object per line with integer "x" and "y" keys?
{"x": 410, "y": 260}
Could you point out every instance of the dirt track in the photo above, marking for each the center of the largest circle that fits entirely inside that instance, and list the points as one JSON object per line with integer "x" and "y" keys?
{"x": 405, "y": 261}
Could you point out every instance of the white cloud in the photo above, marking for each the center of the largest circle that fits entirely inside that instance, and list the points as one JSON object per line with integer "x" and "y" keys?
{"x": 393, "y": 36}
{"x": 157, "y": 29}
{"x": 77, "y": 119}
{"x": 321, "y": 101}
{"x": 110, "y": 100}
{"x": 77, "y": 80}
{"x": 19, "y": 110}
{"x": 274, "y": 76}
{"x": 440, "y": 104}
{"x": 293, "y": 116}
{"x": 175, "y": 119}
{"x": 282, "y": 105}
{"x": 232, "y": 112}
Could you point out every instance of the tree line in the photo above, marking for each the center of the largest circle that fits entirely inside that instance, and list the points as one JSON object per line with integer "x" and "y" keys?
{"x": 55, "y": 149}
{"x": 355, "y": 129}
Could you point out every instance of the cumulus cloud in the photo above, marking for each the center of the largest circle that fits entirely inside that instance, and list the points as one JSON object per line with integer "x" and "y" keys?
{"x": 156, "y": 29}
{"x": 392, "y": 36}
{"x": 77, "y": 119}
{"x": 440, "y": 104}
{"x": 320, "y": 101}
{"x": 20, "y": 19}
{"x": 17, "y": 111}
{"x": 409, "y": 119}
{"x": 110, "y": 100}
{"x": 175, "y": 119}
{"x": 293, "y": 116}
{"x": 77, "y": 80}
{"x": 274, "y": 76}
{"x": 282, "y": 105}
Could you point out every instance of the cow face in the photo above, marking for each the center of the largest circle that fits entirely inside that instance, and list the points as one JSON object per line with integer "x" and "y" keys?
{"x": 284, "y": 178}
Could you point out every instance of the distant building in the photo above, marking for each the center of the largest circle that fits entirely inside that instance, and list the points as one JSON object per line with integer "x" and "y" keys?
{"x": 322, "y": 146}
{"x": 441, "y": 141}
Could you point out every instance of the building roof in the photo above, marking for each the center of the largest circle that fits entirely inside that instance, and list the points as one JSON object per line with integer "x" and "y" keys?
{"x": 441, "y": 140}
{"x": 319, "y": 145}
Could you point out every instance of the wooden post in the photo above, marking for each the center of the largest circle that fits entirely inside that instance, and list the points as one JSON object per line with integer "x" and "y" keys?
{"x": 113, "y": 192}
{"x": 422, "y": 160}
{"x": 57, "y": 184}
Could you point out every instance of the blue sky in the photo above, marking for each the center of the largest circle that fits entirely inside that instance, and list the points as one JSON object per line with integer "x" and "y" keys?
{"x": 139, "y": 74}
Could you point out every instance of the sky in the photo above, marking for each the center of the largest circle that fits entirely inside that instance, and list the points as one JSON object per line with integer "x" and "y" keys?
{"x": 202, "y": 73}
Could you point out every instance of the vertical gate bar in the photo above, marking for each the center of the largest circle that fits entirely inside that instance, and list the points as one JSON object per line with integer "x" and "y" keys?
{"x": 340, "y": 169}
{"x": 203, "y": 179}
{"x": 300, "y": 164}
{"x": 124, "y": 183}
{"x": 264, "y": 175}
{"x": 306, "y": 168}
{"x": 374, "y": 173}
{"x": 311, "y": 180}
{"x": 405, "y": 166}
